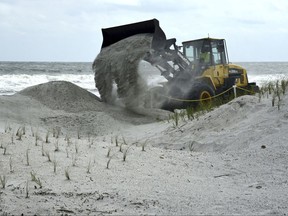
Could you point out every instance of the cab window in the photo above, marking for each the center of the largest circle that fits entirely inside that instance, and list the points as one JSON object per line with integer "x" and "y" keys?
{"x": 189, "y": 52}
{"x": 216, "y": 54}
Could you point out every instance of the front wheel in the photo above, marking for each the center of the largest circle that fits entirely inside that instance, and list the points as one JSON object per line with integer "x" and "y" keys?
{"x": 202, "y": 94}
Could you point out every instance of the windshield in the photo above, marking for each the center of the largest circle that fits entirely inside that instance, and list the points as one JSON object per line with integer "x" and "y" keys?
{"x": 218, "y": 52}
{"x": 206, "y": 51}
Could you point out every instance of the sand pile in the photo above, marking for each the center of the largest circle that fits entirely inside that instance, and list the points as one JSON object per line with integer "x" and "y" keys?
{"x": 117, "y": 66}
{"x": 62, "y": 95}
{"x": 63, "y": 104}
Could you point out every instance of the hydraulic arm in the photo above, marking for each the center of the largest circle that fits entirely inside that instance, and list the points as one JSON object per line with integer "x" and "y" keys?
{"x": 169, "y": 61}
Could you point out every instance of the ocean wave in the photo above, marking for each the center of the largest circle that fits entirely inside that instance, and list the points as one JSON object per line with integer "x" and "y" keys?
{"x": 262, "y": 79}
{"x": 16, "y": 76}
{"x": 13, "y": 83}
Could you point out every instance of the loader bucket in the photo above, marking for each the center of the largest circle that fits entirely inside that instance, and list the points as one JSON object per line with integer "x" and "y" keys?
{"x": 115, "y": 34}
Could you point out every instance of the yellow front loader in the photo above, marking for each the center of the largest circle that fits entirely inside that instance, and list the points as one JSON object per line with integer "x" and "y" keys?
{"x": 197, "y": 71}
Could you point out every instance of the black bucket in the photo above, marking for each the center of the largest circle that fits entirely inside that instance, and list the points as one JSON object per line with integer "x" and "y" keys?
{"x": 115, "y": 34}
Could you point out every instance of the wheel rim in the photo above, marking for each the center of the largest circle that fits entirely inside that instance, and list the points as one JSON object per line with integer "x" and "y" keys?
{"x": 205, "y": 98}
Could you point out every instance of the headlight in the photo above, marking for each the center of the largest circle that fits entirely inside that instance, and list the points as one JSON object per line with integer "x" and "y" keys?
{"x": 235, "y": 71}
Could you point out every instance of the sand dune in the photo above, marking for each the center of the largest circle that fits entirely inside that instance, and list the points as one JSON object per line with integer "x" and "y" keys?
{"x": 62, "y": 95}
{"x": 232, "y": 160}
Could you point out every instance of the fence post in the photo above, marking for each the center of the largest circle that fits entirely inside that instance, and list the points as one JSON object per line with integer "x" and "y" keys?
{"x": 235, "y": 91}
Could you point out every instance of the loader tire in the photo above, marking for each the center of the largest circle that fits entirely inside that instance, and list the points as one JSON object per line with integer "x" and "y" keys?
{"x": 202, "y": 93}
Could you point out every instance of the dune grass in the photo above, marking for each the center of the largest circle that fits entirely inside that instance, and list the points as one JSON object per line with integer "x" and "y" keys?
{"x": 49, "y": 144}
{"x": 125, "y": 153}
{"x": 37, "y": 138}
{"x": 74, "y": 160}
{"x": 27, "y": 189}
{"x": 47, "y": 136}
{"x": 55, "y": 163}
{"x": 27, "y": 157}
{"x": 56, "y": 131}
{"x": 42, "y": 149}
{"x": 35, "y": 179}
{"x": 143, "y": 145}
{"x": 11, "y": 165}
{"x": 79, "y": 133}
{"x": 20, "y": 132}
{"x": 191, "y": 145}
{"x": 56, "y": 145}
{"x": 3, "y": 181}
{"x": 4, "y": 149}
{"x": 108, "y": 162}
{"x": 47, "y": 153}
{"x": 108, "y": 152}
{"x": 76, "y": 147}
{"x": 67, "y": 173}
{"x": 276, "y": 89}
{"x": 88, "y": 170}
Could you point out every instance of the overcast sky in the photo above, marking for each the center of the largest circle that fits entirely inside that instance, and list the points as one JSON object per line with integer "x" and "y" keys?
{"x": 70, "y": 30}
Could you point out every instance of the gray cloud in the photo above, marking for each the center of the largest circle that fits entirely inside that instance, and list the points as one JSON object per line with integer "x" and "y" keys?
{"x": 71, "y": 29}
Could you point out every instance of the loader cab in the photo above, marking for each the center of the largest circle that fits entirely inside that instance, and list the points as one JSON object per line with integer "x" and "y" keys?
{"x": 206, "y": 52}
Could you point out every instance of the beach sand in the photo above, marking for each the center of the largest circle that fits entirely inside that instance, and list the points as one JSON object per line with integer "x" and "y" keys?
{"x": 232, "y": 160}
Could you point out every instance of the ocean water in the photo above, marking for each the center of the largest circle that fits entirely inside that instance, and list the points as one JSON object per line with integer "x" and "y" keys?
{"x": 263, "y": 72}
{"x": 15, "y": 76}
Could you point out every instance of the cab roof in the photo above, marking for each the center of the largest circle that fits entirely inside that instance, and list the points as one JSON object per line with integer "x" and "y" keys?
{"x": 203, "y": 39}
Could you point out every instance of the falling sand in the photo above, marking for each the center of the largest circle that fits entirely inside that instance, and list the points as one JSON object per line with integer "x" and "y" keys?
{"x": 116, "y": 68}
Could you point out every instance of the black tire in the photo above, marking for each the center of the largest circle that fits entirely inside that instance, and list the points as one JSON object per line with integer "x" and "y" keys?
{"x": 202, "y": 93}
{"x": 175, "y": 94}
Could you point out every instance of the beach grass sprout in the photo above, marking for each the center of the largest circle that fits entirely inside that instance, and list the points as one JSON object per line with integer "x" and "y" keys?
{"x": 55, "y": 165}
{"x": 47, "y": 153}
{"x": 108, "y": 163}
{"x": 120, "y": 147}
{"x": 35, "y": 179}
{"x": 42, "y": 149}
{"x": 11, "y": 165}
{"x": 116, "y": 141}
{"x": 67, "y": 152}
{"x": 76, "y": 148}
{"x": 89, "y": 167}
{"x": 20, "y": 132}
{"x": 3, "y": 181}
{"x": 5, "y": 149}
{"x": 191, "y": 145}
{"x": 56, "y": 144}
{"x": 67, "y": 173}
{"x": 74, "y": 160}
{"x": 143, "y": 145}
{"x": 125, "y": 152}
{"x": 27, "y": 157}
{"x": 108, "y": 152}
{"x": 37, "y": 138}
{"x": 47, "y": 136}
{"x": 78, "y": 133}
{"x": 56, "y": 132}
{"x": 27, "y": 189}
